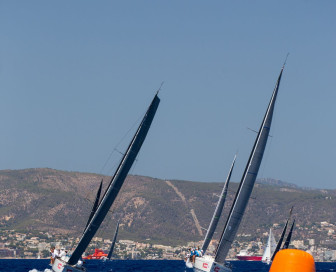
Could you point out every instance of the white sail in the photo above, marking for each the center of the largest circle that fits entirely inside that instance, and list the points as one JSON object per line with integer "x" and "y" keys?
{"x": 270, "y": 248}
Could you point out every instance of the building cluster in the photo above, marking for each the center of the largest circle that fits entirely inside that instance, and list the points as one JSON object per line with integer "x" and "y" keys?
{"x": 37, "y": 245}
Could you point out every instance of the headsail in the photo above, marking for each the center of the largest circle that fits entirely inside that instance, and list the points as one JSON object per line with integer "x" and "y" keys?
{"x": 95, "y": 204}
{"x": 270, "y": 247}
{"x": 282, "y": 235}
{"x": 113, "y": 242}
{"x": 247, "y": 181}
{"x": 218, "y": 211}
{"x": 289, "y": 237}
{"x": 116, "y": 181}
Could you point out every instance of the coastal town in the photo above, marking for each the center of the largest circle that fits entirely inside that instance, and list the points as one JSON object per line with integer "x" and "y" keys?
{"x": 33, "y": 245}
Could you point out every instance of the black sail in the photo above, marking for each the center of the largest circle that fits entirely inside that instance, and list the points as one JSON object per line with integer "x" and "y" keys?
{"x": 116, "y": 181}
{"x": 218, "y": 211}
{"x": 278, "y": 247}
{"x": 247, "y": 181}
{"x": 289, "y": 237}
{"x": 113, "y": 242}
{"x": 95, "y": 204}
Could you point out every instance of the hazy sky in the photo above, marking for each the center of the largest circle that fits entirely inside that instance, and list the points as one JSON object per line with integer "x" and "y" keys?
{"x": 76, "y": 76}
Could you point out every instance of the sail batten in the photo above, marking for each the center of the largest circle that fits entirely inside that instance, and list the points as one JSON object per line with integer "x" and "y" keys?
{"x": 247, "y": 181}
{"x": 218, "y": 211}
{"x": 116, "y": 181}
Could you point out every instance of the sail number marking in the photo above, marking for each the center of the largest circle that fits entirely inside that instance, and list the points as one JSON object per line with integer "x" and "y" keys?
{"x": 205, "y": 265}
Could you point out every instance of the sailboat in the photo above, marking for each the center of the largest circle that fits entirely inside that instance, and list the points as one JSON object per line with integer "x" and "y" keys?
{"x": 73, "y": 263}
{"x": 289, "y": 237}
{"x": 207, "y": 263}
{"x": 215, "y": 217}
{"x": 218, "y": 211}
{"x": 270, "y": 248}
{"x": 278, "y": 247}
{"x": 113, "y": 242}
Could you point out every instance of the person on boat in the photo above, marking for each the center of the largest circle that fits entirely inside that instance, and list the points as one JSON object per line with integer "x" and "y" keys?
{"x": 53, "y": 256}
{"x": 62, "y": 253}
{"x": 198, "y": 252}
{"x": 194, "y": 254}
{"x": 57, "y": 253}
{"x": 188, "y": 254}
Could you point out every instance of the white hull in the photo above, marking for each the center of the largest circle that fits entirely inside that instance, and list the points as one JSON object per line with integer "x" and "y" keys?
{"x": 208, "y": 264}
{"x": 61, "y": 266}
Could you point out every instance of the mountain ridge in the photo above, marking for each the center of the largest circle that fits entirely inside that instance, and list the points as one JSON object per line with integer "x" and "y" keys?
{"x": 149, "y": 208}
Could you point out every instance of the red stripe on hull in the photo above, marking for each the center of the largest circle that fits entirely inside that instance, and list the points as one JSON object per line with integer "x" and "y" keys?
{"x": 249, "y": 258}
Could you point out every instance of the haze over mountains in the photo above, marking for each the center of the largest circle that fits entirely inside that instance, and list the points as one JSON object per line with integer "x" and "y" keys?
{"x": 170, "y": 212}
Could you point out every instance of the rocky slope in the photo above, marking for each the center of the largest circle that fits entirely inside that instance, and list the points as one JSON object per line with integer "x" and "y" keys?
{"x": 169, "y": 212}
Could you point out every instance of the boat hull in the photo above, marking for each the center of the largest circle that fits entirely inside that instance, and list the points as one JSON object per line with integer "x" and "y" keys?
{"x": 61, "y": 266}
{"x": 207, "y": 264}
{"x": 249, "y": 258}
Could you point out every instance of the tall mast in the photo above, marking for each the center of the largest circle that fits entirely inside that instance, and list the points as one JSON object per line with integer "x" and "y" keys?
{"x": 218, "y": 211}
{"x": 247, "y": 181}
{"x": 116, "y": 181}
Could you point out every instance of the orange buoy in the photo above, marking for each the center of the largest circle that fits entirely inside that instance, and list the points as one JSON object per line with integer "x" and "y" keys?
{"x": 293, "y": 260}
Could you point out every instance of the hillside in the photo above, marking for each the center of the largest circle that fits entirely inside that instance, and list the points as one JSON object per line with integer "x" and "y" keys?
{"x": 168, "y": 212}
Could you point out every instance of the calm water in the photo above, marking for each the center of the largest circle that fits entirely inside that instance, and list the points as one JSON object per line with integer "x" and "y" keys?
{"x": 142, "y": 266}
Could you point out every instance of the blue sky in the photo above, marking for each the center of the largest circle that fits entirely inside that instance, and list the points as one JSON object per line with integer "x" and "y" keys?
{"x": 76, "y": 76}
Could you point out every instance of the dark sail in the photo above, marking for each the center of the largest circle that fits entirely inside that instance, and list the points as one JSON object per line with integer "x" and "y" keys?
{"x": 289, "y": 237}
{"x": 113, "y": 242}
{"x": 247, "y": 181}
{"x": 95, "y": 204}
{"x": 116, "y": 181}
{"x": 218, "y": 211}
{"x": 282, "y": 235}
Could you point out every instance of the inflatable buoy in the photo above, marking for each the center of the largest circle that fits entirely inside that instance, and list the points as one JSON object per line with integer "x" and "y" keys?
{"x": 293, "y": 260}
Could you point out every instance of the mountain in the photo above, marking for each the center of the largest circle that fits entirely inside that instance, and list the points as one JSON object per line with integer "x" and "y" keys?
{"x": 167, "y": 212}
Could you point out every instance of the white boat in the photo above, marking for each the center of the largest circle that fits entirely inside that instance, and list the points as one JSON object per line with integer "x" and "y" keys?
{"x": 218, "y": 262}
{"x": 73, "y": 263}
{"x": 270, "y": 248}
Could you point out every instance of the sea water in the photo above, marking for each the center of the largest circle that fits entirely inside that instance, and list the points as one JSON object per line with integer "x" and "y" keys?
{"x": 25, "y": 265}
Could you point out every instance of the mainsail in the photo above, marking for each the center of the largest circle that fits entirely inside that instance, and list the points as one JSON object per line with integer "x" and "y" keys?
{"x": 116, "y": 181}
{"x": 218, "y": 211}
{"x": 113, "y": 242}
{"x": 247, "y": 181}
{"x": 289, "y": 237}
{"x": 270, "y": 248}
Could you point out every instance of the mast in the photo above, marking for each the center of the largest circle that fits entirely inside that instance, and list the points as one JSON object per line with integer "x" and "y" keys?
{"x": 282, "y": 235}
{"x": 247, "y": 181}
{"x": 218, "y": 211}
{"x": 113, "y": 242}
{"x": 95, "y": 204}
{"x": 289, "y": 237}
{"x": 116, "y": 181}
